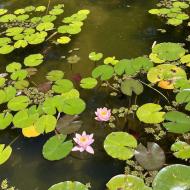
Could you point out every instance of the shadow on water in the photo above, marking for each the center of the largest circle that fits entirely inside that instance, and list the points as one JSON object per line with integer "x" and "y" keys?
{"x": 120, "y": 28}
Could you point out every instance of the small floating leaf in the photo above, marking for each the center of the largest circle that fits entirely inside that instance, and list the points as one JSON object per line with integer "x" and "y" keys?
{"x": 33, "y": 60}
{"x": 56, "y": 148}
{"x": 5, "y": 153}
{"x": 88, "y": 83}
{"x": 18, "y": 103}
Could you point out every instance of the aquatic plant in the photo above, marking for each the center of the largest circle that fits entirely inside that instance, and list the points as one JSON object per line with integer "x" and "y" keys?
{"x": 103, "y": 114}
{"x": 83, "y": 142}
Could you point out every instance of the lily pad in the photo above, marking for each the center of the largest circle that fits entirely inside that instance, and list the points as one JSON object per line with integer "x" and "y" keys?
{"x": 33, "y": 60}
{"x": 93, "y": 56}
{"x": 56, "y": 148}
{"x": 120, "y": 145}
{"x": 46, "y": 123}
{"x": 5, "y": 153}
{"x": 88, "y": 83}
{"x": 5, "y": 120}
{"x": 105, "y": 72}
{"x": 18, "y": 103}
{"x": 178, "y": 122}
{"x": 169, "y": 51}
{"x": 150, "y": 113}
{"x": 126, "y": 182}
{"x": 172, "y": 177}
{"x": 128, "y": 86}
{"x": 55, "y": 75}
{"x": 150, "y": 158}
{"x": 181, "y": 150}
{"x": 68, "y": 185}
{"x": 62, "y": 86}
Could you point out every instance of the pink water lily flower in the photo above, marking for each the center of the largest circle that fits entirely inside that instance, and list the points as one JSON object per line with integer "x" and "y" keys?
{"x": 83, "y": 142}
{"x": 103, "y": 114}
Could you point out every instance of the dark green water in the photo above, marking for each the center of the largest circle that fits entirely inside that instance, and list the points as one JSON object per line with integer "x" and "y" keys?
{"x": 116, "y": 28}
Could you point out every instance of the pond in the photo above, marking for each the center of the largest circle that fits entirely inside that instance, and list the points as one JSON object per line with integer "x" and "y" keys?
{"x": 120, "y": 28}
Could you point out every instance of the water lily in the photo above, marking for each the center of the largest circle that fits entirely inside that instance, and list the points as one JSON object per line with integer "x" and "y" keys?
{"x": 83, "y": 143}
{"x": 103, "y": 114}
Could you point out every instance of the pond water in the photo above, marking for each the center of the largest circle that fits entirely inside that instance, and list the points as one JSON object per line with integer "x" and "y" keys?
{"x": 120, "y": 28}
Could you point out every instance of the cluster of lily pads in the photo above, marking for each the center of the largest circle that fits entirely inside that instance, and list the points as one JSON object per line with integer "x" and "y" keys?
{"x": 35, "y": 25}
{"x": 53, "y": 106}
{"x": 173, "y": 11}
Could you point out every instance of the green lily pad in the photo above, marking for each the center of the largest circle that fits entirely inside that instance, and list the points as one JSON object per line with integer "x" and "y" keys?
{"x": 14, "y": 31}
{"x": 120, "y": 145}
{"x": 62, "y": 86}
{"x": 5, "y": 153}
{"x": 110, "y": 60}
{"x": 22, "y": 84}
{"x": 93, "y": 56}
{"x": 68, "y": 185}
{"x": 73, "y": 106}
{"x": 88, "y": 83}
{"x": 169, "y": 51}
{"x": 46, "y": 123}
{"x": 178, "y": 122}
{"x": 12, "y": 67}
{"x": 172, "y": 177}
{"x": 63, "y": 40}
{"x": 150, "y": 113}
{"x": 18, "y": 103}
{"x": 19, "y": 74}
{"x": 174, "y": 22}
{"x": 40, "y": 9}
{"x": 6, "y": 49}
{"x": 56, "y": 148}
{"x": 45, "y": 26}
{"x": 20, "y": 44}
{"x": 5, "y": 120}
{"x": 128, "y": 86}
{"x": 181, "y": 150}
{"x": 33, "y": 60}
{"x": 105, "y": 72}
{"x": 126, "y": 182}
{"x": 3, "y": 11}
{"x": 55, "y": 75}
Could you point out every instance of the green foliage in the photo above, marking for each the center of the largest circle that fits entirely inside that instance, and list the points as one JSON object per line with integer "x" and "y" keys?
{"x": 105, "y": 72}
{"x": 88, "y": 83}
{"x": 57, "y": 148}
{"x": 172, "y": 177}
{"x": 150, "y": 113}
{"x": 128, "y": 86}
{"x": 178, "y": 122}
{"x": 55, "y": 75}
{"x": 5, "y": 120}
{"x": 5, "y": 153}
{"x": 181, "y": 150}
{"x": 93, "y": 56}
{"x": 74, "y": 185}
{"x": 62, "y": 85}
{"x": 120, "y": 145}
{"x": 126, "y": 182}
{"x": 33, "y": 60}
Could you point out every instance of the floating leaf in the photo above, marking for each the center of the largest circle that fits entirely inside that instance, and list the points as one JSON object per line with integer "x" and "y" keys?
{"x": 172, "y": 177}
{"x": 105, "y": 72}
{"x": 110, "y": 60}
{"x": 178, "y": 122}
{"x": 19, "y": 74}
{"x": 18, "y": 103}
{"x": 150, "y": 158}
{"x": 128, "y": 86}
{"x": 45, "y": 26}
{"x": 150, "y": 113}
{"x": 22, "y": 84}
{"x": 25, "y": 118}
{"x": 55, "y": 75}
{"x": 181, "y": 150}
{"x": 62, "y": 86}
{"x": 73, "y": 59}
{"x": 184, "y": 97}
{"x": 6, "y": 49}
{"x": 56, "y": 148}
{"x": 68, "y": 124}
{"x": 120, "y": 145}
{"x": 88, "y": 83}
{"x": 30, "y": 131}
{"x": 45, "y": 123}
{"x": 5, "y": 120}
{"x": 21, "y": 44}
{"x": 73, "y": 106}
{"x": 73, "y": 93}
{"x": 5, "y": 153}
{"x": 64, "y": 40}
{"x": 40, "y": 8}
{"x": 56, "y": 11}
{"x": 93, "y": 56}
{"x": 121, "y": 66}
{"x": 126, "y": 182}
{"x": 12, "y": 67}
{"x": 168, "y": 51}
{"x": 33, "y": 60}
{"x": 68, "y": 185}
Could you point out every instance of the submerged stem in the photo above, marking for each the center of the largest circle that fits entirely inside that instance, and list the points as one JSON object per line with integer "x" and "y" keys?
{"x": 49, "y": 1}
{"x": 155, "y": 90}
{"x": 14, "y": 140}
{"x": 51, "y": 36}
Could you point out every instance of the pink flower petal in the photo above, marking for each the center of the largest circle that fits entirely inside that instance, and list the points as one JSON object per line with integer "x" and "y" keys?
{"x": 90, "y": 150}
